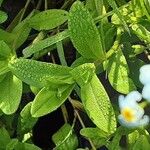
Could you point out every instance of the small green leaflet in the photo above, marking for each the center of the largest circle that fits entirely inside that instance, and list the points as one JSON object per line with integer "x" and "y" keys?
{"x": 6, "y": 37}
{"x": 97, "y": 136}
{"x": 141, "y": 32}
{"x": 146, "y": 5}
{"x": 21, "y": 32}
{"x": 134, "y": 65}
{"x": 36, "y": 47}
{"x": 118, "y": 73}
{"x": 26, "y": 120}
{"x": 3, "y": 16}
{"x": 84, "y": 34}
{"x": 48, "y": 100}
{"x": 4, "y": 50}
{"x": 83, "y": 73}
{"x": 142, "y": 143}
{"x": 40, "y": 74}
{"x": 3, "y": 67}
{"x": 48, "y": 19}
{"x": 113, "y": 4}
{"x": 132, "y": 138}
{"x": 97, "y": 104}
{"x": 93, "y": 133}
{"x": 1, "y": 78}
{"x": 14, "y": 144}
{"x": 10, "y": 95}
{"x": 4, "y": 138}
{"x": 65, "y": 139}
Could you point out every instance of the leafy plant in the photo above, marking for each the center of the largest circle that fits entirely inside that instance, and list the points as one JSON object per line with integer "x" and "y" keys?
{"x": 108, "y": 55}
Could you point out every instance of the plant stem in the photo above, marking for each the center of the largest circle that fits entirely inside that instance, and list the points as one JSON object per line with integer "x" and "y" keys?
{"x": 61, "y": 54}
{"x": 46, "y": 5}
{"x": 24, "y": 10}
{"x": 65, "y": 113}
{"x": 63, "y": 107}
{"x": 82, "y": 123}
{"x": 38, "y": 4}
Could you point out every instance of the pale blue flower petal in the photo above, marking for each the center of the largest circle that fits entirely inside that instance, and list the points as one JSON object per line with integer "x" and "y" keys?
{"x": 145, "y": 74}
{"x": 146, "y": 92}
{"x": 121, "y": 101}
{"x": 130, "y": 100}
{"x": 139, "y": 112}
{"x": 139, "y": 123}
{"x": 134, "y": 96}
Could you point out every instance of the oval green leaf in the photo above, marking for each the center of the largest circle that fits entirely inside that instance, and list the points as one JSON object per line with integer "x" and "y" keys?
{"x": 48, "y": 100}
{"x": 118, "y": 74}
{"x": 3, "y": 16}
{"x": 97, "y": 104}
{"x": 40, "y": 45}
{"x": 84, "y": 34}
{"x": 65, "y": 139}
{"x": 48, "y": 19}
{"x": 40, "y": 74}
{"x": 10, "y": 95}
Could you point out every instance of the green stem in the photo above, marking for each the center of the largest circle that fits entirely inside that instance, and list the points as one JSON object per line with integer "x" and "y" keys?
{"x": 61, "y": 54}
{"x": 24, "y": 10}
{"x": 83, "y": 126}
{"x": 64, "y": 112}
{"x": 38, "y": 4}
{"x": 82, "y": 123}
{"x": 46, "y": 5}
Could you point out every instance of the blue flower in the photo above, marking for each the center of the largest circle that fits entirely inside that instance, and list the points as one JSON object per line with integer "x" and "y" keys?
{"x": 132, "y": 115}
{"x": 146, "y": 92}
{"x": 145, "y": 80}
{"x": 145, "y": 74}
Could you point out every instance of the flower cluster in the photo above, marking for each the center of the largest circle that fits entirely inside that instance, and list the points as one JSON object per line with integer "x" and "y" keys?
{"x": 132, "y": 114}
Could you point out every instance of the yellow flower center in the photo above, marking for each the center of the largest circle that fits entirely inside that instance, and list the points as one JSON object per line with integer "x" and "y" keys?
{"x": 128, "y": 114}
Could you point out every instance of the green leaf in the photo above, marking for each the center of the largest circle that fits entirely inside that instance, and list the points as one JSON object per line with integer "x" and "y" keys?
{"x": 4, "y": 50}
{"x": 65, "y": 139}
{"x": 81, "y": 60}
{"x": 118, "y": 73}
{"x": 36, "y": 47}
{"x": 40, "y": 74}
{"x": 95, "y": 7}
{"x": 97, "y": 136}
{"x": 134, "y": 66}
{"x": 97, "y": 104}
{"x": 115, "y": 143}
{"x": 84, "y": 34}
{"x": 146, "y": 4}
{"x": 3, "y": 16}
{"x": 93, "y": 133}
{"x": 3, "y": 67}
{"x": 4, "y": 138}
{"x": 113, "y": 4}
{"x": 109, "y": 36}
{"x": 26, "y": 146}
{"x": 26, "y": 120}
{"x": 11, "y": 145}
{"x": 83, "y": 73}
{"x": 48, "y": 19}
{"x": 10, "y": 95}
{"x": 141, "y": 32}
{"x": 6, "y": 37}
{"x": 132, "y": 138}
{"x": 142, "y": 143}
{"x": 21, "y": 32}
{"x": 48, "y": 100}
